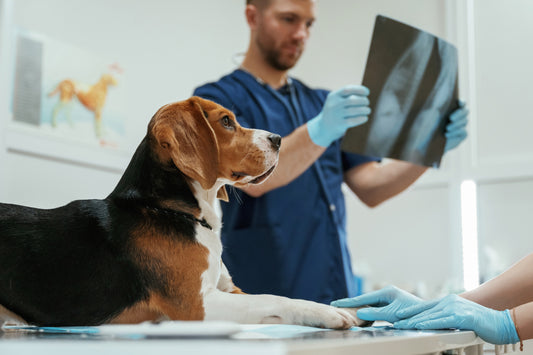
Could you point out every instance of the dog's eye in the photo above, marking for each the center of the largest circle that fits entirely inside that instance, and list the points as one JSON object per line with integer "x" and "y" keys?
{"x": 227, "y": 122}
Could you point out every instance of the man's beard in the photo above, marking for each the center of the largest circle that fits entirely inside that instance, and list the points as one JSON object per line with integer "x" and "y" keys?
{"x": 275, "y": 58}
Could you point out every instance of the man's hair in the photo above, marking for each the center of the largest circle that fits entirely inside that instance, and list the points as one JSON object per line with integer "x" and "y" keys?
{"x": 260, "y": 4}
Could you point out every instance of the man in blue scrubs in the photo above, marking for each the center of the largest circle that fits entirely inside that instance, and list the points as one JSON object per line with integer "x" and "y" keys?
{"x": 287, "y": 236}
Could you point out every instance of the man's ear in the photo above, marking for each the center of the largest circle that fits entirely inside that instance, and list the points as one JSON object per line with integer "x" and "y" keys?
{"x": 251, "y": 12}
{"x": 222, "y": 194}
{"x": 183, "y": 134}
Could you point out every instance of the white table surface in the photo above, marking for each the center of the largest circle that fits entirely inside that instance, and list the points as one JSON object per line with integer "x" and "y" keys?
{"x": 228, "y": 338}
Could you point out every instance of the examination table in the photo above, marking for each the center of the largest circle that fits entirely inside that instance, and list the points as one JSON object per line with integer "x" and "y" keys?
{"x": 229, "y": 338}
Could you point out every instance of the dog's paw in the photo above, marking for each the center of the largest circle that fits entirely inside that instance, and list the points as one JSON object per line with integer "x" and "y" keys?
{"x": 359, "y": 322}
{"x": 340, "y": 319}
{"x": 323, "y": 316}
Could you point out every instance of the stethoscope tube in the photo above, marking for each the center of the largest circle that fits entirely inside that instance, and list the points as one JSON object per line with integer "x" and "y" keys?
{"x": 297, "y": 120}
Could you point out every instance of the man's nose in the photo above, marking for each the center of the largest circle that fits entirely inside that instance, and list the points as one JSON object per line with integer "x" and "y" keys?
{"x": 302, "y": 32}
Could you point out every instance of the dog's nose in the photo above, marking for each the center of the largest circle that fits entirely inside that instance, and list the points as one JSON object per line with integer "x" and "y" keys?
{"x": 275, "y": 140}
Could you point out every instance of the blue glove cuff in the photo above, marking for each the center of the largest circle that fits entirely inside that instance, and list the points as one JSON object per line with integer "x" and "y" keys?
{"x": 316, "y": 133}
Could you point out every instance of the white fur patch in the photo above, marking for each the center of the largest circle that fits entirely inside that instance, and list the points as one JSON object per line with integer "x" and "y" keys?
{"x": 260, "y": 139}
{"x": 209, "y": 238}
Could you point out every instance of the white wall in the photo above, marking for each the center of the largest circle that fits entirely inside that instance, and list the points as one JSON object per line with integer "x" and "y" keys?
{"x": 501, "y": 157}
{"x": 168, "y": 47}
{"x": 341, "y": 36}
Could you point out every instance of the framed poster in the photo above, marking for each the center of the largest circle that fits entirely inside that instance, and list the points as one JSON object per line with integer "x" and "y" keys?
{"x": 67, "y": 103}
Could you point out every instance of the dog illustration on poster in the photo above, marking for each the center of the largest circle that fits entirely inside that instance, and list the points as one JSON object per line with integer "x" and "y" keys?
{"x": 92, "y": 97}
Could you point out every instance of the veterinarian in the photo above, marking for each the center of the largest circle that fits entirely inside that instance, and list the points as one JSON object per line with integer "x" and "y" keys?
{"x": 287, "y": 236}
{"x": 500, "y": 311}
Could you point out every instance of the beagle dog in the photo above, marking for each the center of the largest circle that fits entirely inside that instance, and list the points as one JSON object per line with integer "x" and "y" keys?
{"x": 151, "y": 249}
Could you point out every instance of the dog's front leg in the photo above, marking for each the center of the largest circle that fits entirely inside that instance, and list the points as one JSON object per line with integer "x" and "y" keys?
{"x": 255, "y": 309}
{"x": 225, "y": 283}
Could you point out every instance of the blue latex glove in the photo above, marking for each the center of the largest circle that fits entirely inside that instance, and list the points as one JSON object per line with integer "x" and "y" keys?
{"x": 456, "y": 128}
{"x": 344, "y": 108}
{"x": 387, "y": 301}
{"x": 453, "y": 311}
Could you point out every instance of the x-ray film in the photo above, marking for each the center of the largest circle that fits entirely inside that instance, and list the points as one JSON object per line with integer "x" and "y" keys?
{"x": 412, "y": 77}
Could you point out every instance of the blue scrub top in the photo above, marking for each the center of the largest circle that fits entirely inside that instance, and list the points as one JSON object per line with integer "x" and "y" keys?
{"x": 292, "y": 240}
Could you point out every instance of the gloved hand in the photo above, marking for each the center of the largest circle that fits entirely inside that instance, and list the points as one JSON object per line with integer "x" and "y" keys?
{"x": 387, "y": 301}
{"x": 453, "y": 311}
{"x": 456, "y": 127}
{"x": 344, "y": 108}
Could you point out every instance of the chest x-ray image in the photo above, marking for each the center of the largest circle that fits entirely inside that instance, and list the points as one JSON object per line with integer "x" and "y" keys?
{"x": 412, "y": 77}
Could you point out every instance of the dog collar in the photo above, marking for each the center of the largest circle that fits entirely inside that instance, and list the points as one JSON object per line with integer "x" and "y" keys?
{"x": 185, "y": 215}
{"x": 190, "y": 217}
{"x": 203, "y": 223}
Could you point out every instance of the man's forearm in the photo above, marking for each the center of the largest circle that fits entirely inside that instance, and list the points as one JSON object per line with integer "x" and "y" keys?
{"x": 296, "y": 155}
{"x": 374, "y": 183}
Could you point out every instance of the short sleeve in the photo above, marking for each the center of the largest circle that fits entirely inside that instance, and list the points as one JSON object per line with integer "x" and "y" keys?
{"x": 350, "y": 160}
{"x": 215, "y": 92}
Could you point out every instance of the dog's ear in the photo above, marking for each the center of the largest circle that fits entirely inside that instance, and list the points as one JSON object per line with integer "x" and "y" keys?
{"x": 222, "y": 194}
{"x": 184, "y": 135}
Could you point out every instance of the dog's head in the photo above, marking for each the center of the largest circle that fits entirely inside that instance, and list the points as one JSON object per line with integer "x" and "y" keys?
{"x": 108, "y": 80}
{"x": 205, "y": 142}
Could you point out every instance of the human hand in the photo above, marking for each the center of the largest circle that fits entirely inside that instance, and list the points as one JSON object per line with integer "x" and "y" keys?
{"x": 453, "y": 311}
{"x": 456, "y": 128}
{"x": 344, "y": 108}
{"x": 387, "y": 301}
